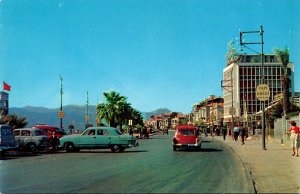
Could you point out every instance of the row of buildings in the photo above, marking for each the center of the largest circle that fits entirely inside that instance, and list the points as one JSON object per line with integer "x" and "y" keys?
{"x": 239, "y": 102}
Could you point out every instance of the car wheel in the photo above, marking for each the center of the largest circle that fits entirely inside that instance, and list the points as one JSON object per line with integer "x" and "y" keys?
{"x": 70, "y": 147}
{"x": 117, "y": 148}
{"x": 31, "y": 147}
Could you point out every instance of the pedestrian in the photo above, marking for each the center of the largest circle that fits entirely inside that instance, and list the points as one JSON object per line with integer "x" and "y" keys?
{"x": 236, "y": 131}
{"x": 294, "y": 137}
{"x": 224, "y": 132}
{"x": 243, "y": 134}
{"x": 206, "y": 131}
{"x": 54, "y": 141}
{"x": 130, "y": 131}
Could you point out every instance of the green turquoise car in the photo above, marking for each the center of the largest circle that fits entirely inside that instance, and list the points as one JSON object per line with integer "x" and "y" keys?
{"x": 98, "y": 138}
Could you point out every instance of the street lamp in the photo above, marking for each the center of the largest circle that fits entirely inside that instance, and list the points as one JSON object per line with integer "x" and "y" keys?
{"x": 61, "y": 115}
{"x": 87, "y": 118}
{"x": 243, "y": 43}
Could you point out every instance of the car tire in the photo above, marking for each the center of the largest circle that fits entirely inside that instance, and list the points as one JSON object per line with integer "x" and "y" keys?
{"x": 70, "y": 147}
{"x": 117, "y": 148}
{"x": 31, "y": 147}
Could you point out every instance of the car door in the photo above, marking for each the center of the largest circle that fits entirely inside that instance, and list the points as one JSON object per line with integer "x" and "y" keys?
{"x": 103, "y": 138}
{"x": 88, "y": 139}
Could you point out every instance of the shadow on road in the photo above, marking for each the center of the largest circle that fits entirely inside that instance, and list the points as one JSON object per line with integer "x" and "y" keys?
{"x": 210, "y": 150}
{"x": 202, "y": 150}
{"x": 108, "y": 151}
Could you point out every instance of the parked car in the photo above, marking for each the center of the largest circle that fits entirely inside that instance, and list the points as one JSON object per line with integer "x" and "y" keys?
{"x": 48, "y": 130}
{"x": 186, "y": 136}
{"x": 31, "y": 138}
{"x": 7, "y": 139}
{"x": 98, "y": 138}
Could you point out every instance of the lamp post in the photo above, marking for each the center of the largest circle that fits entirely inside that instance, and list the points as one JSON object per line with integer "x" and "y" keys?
{"x": 261, "y": 33}
{"x": 61, "y": 115}
{"x": 87, "y": 118}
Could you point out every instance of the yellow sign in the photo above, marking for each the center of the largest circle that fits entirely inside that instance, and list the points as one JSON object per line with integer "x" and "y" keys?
{"x": 61, "y": 114}
{"x": 263, "y": 92}
{"x": 87, "y": 118}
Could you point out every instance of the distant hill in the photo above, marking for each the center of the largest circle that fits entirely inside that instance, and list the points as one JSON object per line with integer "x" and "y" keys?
{"x": 74, "y": 115}
{"x": 156, "y": 112}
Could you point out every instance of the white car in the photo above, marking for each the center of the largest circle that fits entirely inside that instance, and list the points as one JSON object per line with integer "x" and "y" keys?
{"x": 31, "y": 138}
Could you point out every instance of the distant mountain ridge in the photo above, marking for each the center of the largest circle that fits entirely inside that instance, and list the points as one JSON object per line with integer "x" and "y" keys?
{"x": 74, "y": 115}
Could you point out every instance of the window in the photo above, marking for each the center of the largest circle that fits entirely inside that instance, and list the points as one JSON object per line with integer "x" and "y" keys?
{"x": 16, "y": 132}
{"x": 187, "y": 132}
{"x": 25, "y": 133}
{"x": 289, "y": 71}
{"x": 100, "y": 132}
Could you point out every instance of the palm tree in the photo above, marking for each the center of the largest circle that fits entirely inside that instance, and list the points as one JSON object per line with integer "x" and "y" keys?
{"x": 283, "y": 55}
{"x": 14, "y": 121}
{"x": 110, "y": 110}
{"x": 117, "y": 111}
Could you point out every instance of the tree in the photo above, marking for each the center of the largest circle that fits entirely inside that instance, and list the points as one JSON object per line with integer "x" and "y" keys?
{"x": 283, "y": 55}
{"x": 117, "y": 111}
{"x": 110, "y": 110}
{"x": 14, "y": 121}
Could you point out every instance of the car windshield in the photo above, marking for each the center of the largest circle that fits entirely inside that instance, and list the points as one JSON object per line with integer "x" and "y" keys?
{"x": 186, "y": 132}
{"x": 57, "y": 130}
{"x": 6, "y": 131}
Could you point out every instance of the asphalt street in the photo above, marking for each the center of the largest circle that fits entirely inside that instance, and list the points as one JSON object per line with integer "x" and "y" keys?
{"x": 153, "y": 167}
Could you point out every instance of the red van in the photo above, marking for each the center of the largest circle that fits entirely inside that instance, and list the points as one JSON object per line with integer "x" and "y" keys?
{"x": 186, "y": 136}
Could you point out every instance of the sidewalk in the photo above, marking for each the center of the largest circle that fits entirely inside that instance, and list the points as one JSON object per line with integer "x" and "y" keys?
{"x": 274, "y": 170}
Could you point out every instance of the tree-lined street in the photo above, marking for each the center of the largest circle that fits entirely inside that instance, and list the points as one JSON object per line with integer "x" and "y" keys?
{"x": 152, "y": 167}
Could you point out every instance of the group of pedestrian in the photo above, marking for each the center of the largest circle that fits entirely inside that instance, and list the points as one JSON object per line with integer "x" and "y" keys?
{"x": 239, "y": 132}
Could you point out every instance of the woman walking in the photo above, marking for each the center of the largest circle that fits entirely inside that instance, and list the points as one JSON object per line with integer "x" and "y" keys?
{"x": 294, "y": 132}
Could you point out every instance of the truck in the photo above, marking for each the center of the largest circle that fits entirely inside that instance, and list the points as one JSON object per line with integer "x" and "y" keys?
{"x": 7, "y": 139}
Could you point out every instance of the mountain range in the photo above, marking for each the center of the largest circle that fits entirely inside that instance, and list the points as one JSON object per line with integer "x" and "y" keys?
{"x": 73, "y": 114}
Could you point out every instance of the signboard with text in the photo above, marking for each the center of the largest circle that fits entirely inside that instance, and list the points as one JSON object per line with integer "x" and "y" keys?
{"x": 263, "y": 92}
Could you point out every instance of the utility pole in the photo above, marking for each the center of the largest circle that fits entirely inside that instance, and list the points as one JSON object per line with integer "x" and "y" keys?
{"x": 87, "y": 118}
{"x": 264, "y": 87}
{"x": 61, "y": 113}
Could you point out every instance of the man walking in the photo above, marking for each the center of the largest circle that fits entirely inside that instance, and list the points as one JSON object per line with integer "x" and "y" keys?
{"x": 224, "y": 132}
{"x": 243, "y": 134}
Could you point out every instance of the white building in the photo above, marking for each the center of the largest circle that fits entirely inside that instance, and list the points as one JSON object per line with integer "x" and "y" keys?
{"x": 240, "y": 80}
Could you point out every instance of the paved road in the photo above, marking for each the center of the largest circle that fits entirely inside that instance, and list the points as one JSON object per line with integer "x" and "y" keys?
{"x": 152, "y": 168}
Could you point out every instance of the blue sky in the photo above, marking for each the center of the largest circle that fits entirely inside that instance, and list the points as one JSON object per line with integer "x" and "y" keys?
{"x": 158, "y": 53}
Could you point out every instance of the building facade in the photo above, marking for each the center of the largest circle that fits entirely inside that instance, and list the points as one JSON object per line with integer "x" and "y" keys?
{"x": 3, "y": 104}
{"x": 240, "y": 80}
{"x": 208, "y": 112}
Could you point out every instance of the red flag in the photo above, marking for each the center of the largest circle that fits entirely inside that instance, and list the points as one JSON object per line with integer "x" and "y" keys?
{"x": 6, "y": 86}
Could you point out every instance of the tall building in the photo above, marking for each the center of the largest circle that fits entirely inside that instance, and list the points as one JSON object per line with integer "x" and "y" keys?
{"x": 240, "y": 80}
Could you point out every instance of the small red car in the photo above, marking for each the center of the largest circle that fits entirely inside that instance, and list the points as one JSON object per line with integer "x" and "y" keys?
{"x": 186, "y": 136}
{"x": 48, "y": 130}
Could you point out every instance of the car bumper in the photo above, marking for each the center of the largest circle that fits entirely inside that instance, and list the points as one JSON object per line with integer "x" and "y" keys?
{"x": 134, "y": 144}
{"x": 178, "y": 145}
{"x": 7, "y": 148}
